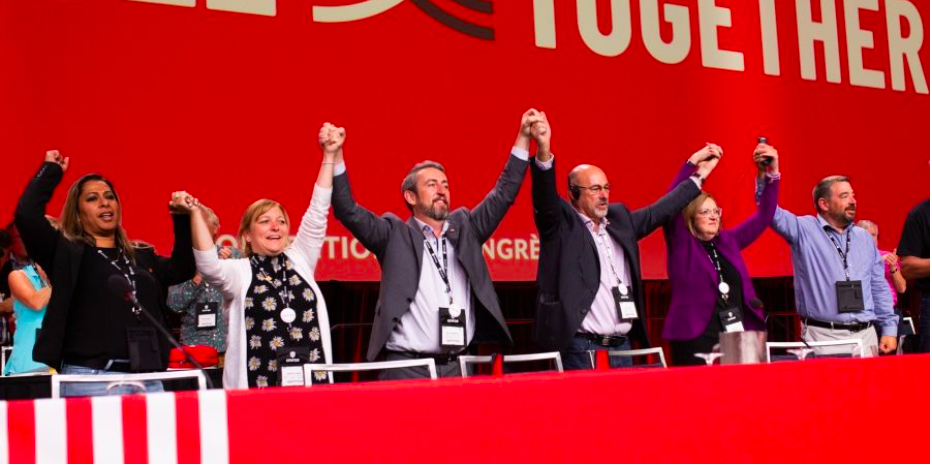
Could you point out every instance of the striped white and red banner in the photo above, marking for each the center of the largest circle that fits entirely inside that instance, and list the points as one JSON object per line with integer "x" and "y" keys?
{"x": 182, "y": 427}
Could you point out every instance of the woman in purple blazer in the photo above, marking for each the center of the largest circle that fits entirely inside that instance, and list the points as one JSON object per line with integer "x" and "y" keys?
{"x": 711, "y": 288}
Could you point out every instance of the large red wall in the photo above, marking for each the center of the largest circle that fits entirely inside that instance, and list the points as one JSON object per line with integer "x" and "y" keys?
{"x": 227, "y": 106}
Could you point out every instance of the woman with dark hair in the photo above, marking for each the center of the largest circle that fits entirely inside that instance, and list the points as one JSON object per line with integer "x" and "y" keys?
{"x": 711, "y": 287}
{"x": 88, "y": 329}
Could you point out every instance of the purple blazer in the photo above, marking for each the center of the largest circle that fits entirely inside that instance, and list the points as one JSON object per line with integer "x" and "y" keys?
{"x": 693, "y": 279}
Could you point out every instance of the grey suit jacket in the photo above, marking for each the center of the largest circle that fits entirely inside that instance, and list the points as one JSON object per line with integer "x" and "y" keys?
{"x": 399, "y": 247}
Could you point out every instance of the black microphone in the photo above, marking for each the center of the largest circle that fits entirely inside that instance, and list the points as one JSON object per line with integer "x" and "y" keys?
{"x": 121, "y": 287}
{"x": 767, "y": 160}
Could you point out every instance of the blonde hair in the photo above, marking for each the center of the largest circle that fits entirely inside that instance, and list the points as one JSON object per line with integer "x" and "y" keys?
{"x": 692, "y": 209}
{"x": 71, "y": 227}
{"x": 253, "y": 212}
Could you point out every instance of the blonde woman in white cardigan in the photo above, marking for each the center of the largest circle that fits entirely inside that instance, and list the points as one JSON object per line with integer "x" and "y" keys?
{"x": 271, "y": 298}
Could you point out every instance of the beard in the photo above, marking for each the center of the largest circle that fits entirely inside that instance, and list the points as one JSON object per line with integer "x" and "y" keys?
{"x": 435, "y": 211}
{"x": 842, "y": 216}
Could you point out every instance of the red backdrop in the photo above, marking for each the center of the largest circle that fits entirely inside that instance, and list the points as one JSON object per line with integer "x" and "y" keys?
{"x": 227, "y": 106}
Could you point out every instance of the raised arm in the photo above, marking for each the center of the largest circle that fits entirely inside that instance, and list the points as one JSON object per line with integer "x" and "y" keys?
{"x": 544, "y": 196}
{"x": 769, "y": 177}
{"x": 313, "y": 229}
{"x": 40, "y": 238}
{"x": 488, "y": 214}
{"x": 221, "y": 274}
{"x": 180, "y": 267}
{"x": 649, "y": 218}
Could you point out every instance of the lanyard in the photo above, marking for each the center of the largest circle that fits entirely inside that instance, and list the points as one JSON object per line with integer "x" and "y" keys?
{"x": 284, "y": 294}
{"x": 606, "y": 248}
{"x": 842, "y": 254}
{"x": 443, "y": 270}
{"x": 129, "y": 274}
{"x": 723, "y": 287}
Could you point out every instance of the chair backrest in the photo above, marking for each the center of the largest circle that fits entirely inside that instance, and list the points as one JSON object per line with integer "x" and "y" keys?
{"x": 641, "y": 352}
{"x": 127, "y": 379}
{"x": 465, "y": 361}
{"x": 309, "y": 369}
{"x": 4, "y": 353}
{"x": 552, "y": 355}
{"x": 858, "y": 346}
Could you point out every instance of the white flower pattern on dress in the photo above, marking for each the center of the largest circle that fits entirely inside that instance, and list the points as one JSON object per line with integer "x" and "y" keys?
{"x": 268, "y": 325}
{"x": 276, "y": 343}
{"x": 276, "y": 286}
{"x": 269, "y": 304}
{"x": 248, "y": 303}
{"x": 255, "y": 342}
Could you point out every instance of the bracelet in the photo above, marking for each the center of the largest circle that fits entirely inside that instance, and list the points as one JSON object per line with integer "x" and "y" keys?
{"x": 894, "y": 271}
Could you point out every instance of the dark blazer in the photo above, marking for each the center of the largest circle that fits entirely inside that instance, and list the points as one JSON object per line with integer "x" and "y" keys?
{"x": 399, "y": 248}
{"x": 61, "y": 260}
{"x": 693, "y": 279}
{"x": 568, "y": 271}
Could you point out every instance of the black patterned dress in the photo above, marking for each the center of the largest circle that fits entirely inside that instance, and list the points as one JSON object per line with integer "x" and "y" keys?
{"x": 276, "y": 286}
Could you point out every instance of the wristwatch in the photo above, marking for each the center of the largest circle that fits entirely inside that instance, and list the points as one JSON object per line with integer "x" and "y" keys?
{"x": 698, "y": 177}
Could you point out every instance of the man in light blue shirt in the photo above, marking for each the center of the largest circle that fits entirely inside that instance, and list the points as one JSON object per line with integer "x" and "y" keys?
{"x": 834, "y": 259}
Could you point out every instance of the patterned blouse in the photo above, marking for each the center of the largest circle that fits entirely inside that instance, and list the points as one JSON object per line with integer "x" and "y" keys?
{"x": 275, "y": 289}
{"x": 187, "y": 298}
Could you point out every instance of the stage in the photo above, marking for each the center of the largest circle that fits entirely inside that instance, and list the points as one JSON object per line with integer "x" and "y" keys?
{"x": 842, "y": 411}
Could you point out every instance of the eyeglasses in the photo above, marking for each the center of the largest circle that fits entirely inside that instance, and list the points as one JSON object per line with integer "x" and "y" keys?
{"x": 709, "y": 212}
{"x": 595, "y": 189}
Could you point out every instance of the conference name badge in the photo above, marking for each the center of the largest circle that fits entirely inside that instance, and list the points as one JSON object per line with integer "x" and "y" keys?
{"x": 624, "y": 303}
{"x": 207, "y": 315}
{"x": 452, "y": 329}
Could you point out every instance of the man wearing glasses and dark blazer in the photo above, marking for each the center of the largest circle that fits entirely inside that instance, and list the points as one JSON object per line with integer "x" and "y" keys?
{"x": 590, "y": 294}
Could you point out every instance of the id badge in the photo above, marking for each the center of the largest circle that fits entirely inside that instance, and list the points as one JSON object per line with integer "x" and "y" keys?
{"x": 624, "y": 302}
{"x": 291, "y": 361}
{"x": 731, "y": 320}
{"x": 452, "y": 330}
{"x": 850, "y": 296}
{"x": 207, "y": 315}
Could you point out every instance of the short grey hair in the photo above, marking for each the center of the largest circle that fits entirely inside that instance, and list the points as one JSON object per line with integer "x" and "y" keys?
{"x": 870, "y": 226}
{"x": 410, "y": 181}
{"x": 824, "y": 189}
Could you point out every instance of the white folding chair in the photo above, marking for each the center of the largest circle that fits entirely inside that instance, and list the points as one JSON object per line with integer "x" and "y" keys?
{"x": 857, "y": 345}
{"x": 912, "y": 327}
{"x": 127, "y": 379}
{"x": 309, "y": 369}
{"x": 639, "y": 352}
{"x": 4, "y": 352}
{"x": 467, "y": 360}
{"x": 552, "y": 355}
